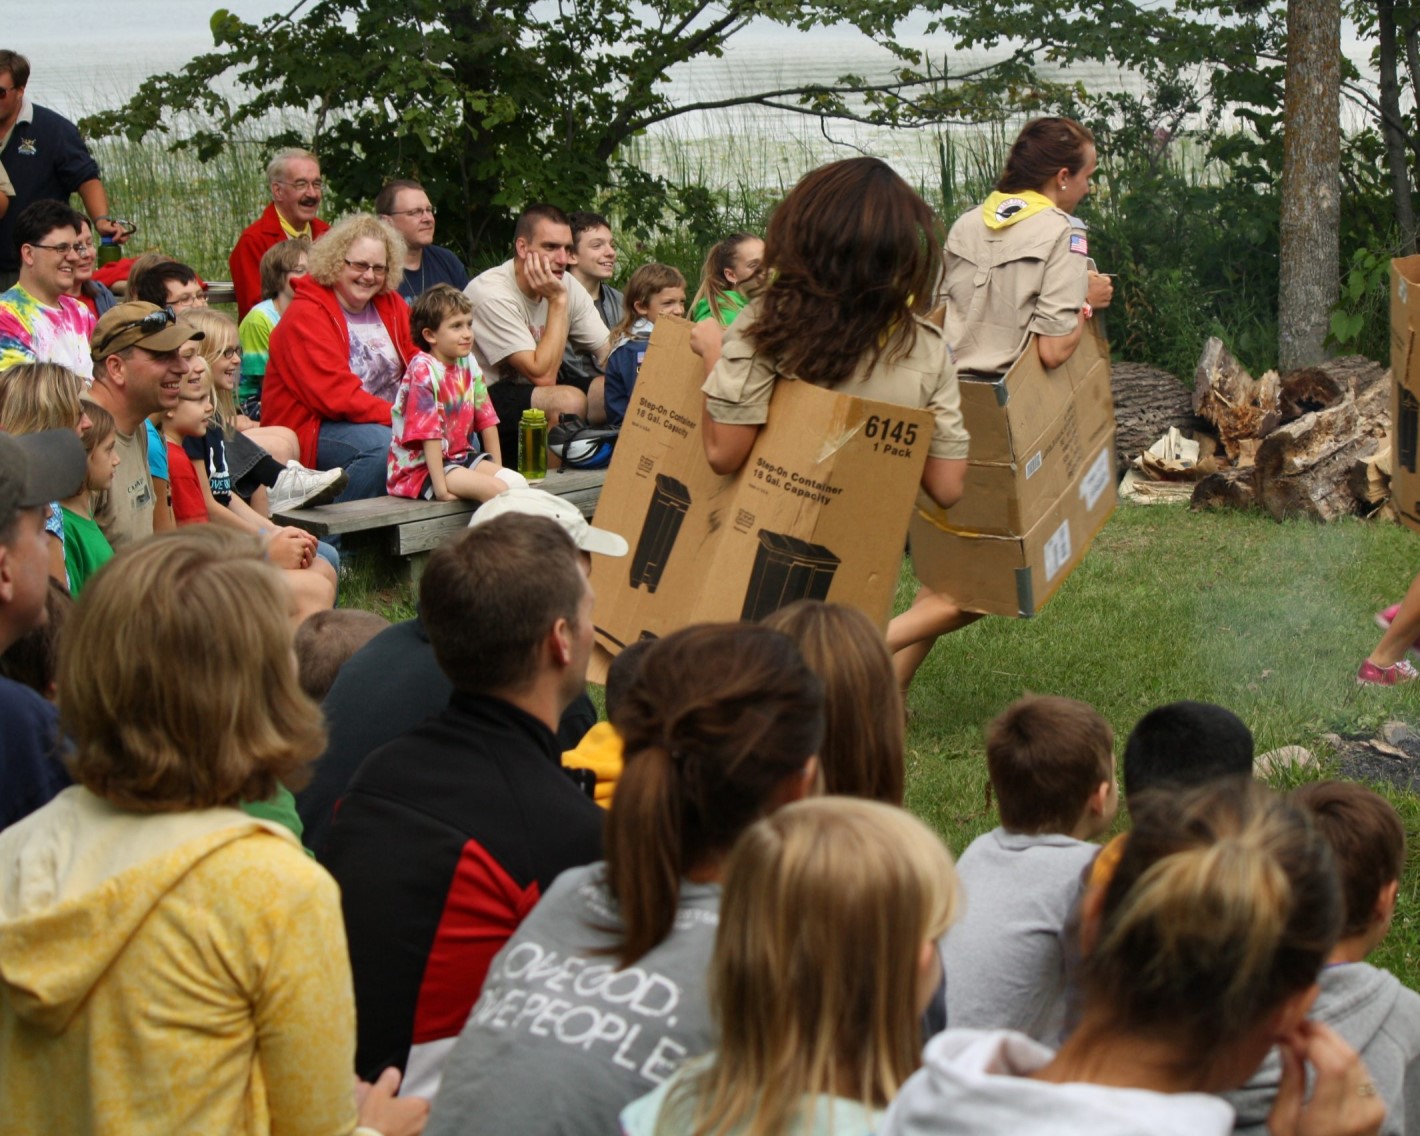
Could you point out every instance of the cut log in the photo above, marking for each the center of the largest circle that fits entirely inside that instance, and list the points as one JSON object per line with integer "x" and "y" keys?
{"x": 1226, "y": 489}
{"x": 1370, "y": 476}
{"x": 1236, "y": 403}
{"x": 1303, "y": 468}
{"x": 1147, "y": 401}
{"x": 1310, "y": 389}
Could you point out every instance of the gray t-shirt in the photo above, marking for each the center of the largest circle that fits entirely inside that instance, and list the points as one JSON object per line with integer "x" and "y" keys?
{"x": 1003, "y": 958}
{"x": 506, "y": 322}
{"x": 561, "y": 1040}
{"x": 579, "y": 368}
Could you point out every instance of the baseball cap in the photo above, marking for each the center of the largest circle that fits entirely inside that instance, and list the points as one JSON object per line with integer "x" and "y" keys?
{"x": 36, "y": 469}
{"x": 139, "y": 324}
{"x": 540, "y": 503}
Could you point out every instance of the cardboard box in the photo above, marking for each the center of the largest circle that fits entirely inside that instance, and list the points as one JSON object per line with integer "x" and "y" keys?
{"x": 1040, "y": 484}
{"x": 820, "y": 509}
{"x": 1016, "y": 575}
{"x": 1405, "y": 388}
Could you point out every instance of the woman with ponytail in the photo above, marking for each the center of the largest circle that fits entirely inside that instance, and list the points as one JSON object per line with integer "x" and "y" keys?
{"x": 600, "y": 995}
{"x": 1201, "y": 954}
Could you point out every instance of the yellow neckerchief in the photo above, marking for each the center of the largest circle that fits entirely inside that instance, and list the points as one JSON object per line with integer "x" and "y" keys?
{"x": 290, "y": 230}
{"x": 1001, "y": 210}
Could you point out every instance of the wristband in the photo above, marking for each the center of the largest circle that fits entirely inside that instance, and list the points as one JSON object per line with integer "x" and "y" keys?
{"x": 1087, "y": 311}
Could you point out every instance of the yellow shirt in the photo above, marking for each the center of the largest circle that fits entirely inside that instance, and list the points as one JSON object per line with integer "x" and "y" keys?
{"x": 600, "y": 751}
{"x": 172, "y": 972}
{"x": 286, "y": 227}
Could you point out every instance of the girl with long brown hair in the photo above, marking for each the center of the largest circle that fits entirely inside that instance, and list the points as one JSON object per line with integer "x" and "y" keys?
{"x": 599, "y": 995}
{"x": 853, "y": 256}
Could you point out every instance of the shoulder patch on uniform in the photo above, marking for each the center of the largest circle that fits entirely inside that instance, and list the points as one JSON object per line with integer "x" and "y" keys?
{"x": 1079, "y": 243}
{"x": 1009, "y": 208}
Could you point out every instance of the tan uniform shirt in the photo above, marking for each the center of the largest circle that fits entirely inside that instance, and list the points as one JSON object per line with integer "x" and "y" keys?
{"x": 505, "y": 321}
{"x": 125, "y": 511}
{"x": 739, "y": 387}
{"x": 1004, "y": 285}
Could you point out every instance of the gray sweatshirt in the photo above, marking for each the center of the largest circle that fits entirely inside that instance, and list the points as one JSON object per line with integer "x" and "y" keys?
{"x": 1003, "y": 958}
{"x": 560, "y": 1040}
{"x": 978, "y": 1083}
{"x": 1380, "y": 1019}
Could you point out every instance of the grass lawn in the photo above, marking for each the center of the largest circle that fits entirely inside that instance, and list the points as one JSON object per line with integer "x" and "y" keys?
{"x": 1270, "y": 620}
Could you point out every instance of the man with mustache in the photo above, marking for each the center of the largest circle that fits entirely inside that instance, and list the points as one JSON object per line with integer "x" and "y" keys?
{"x": 296, "y": 187}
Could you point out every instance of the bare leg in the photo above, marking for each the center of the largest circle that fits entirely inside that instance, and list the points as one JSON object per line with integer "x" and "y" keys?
{"x": 596, "y": 402}
{"x": 311, "y": 590}
{"x": 261, "y": 501}
{"x": 278, "y": 441}
{"x": 911, "y": 635}
{"x": 1403, "y": 631}
{"x": 557, "y": 401}
{"x": 473, "y": 484}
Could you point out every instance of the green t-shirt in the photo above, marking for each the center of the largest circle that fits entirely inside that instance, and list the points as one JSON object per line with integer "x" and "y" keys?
{"x": 86, "y": 549}
{"x": 254, "y": 334}
{"x": 281, "y": 809}
{"x": 729, "y": 303}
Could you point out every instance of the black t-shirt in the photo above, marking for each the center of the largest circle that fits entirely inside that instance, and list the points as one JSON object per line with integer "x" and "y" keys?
{"x": 211, "y": 450}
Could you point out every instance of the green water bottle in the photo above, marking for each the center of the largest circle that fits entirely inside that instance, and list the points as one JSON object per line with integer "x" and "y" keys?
{"x": 532, "y": 445}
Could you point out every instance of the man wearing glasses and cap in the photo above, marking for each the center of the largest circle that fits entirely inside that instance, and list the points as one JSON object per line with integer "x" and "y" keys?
{"x": 45, "y": 159}
{"x": 137, "y": 372}
{"x": 34, "y": 470}
{"x": 293, "y": 177}
{"x": 39, "y": 321}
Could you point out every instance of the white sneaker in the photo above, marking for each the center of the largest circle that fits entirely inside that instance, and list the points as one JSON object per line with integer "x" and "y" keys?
{"x": 298, "y": 487}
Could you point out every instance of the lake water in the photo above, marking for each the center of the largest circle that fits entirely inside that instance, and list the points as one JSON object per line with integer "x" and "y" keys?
{"x": 127, "y": 40}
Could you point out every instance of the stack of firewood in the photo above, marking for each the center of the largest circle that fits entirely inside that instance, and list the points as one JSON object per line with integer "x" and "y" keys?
{"x": 1314, "y": 443}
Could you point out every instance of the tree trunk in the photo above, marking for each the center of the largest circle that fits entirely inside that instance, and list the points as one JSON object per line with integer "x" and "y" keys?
{"x": 1311, "y": 182}
{"x": 1392, "y": 126}
{"x": 1147, "y": 401}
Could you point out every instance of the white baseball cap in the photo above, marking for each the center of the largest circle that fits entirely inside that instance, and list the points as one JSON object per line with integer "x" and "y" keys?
{"x": 540, "y": 503}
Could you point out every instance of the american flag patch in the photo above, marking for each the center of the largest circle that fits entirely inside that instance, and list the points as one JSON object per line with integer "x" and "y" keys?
{"x": 1079, "y": 244}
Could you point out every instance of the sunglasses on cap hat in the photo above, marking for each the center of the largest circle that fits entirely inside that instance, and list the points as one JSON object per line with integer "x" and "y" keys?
{"x": 150, "y": 324}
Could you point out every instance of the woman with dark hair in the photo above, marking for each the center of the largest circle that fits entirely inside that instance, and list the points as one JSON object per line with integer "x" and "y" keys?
{"x": 338, "y": 353}
{"x": 853, "y": 257}
{"x": 600, "y": 993}
{"x": 1201, "y": 954}
{"x": 1017, "y": 266}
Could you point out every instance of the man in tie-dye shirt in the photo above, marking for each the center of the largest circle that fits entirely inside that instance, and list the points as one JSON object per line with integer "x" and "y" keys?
{"x": 39, "y": 323}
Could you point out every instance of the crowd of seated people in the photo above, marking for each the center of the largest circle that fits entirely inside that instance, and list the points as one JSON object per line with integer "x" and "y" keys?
{"x": 268, "y": 865}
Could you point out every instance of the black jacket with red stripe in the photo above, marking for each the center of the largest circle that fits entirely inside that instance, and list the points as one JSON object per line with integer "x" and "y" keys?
{"x": 445, "y": 840}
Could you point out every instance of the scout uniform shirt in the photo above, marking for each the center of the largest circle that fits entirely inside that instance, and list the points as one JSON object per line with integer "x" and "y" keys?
{"x": 1016, "y": 267}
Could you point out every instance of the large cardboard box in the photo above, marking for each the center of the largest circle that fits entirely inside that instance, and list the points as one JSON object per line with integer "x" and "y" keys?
{"x": 820, "y": 509}
{"x": 1405, "y": 388}
{"x": 1039, "y": 486}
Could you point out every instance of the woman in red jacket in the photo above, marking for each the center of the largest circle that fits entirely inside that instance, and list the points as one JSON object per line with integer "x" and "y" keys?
{"x": 339, "y": 351}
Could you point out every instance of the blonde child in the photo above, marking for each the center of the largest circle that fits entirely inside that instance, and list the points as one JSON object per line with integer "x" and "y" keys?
{"x": 444, "y": 444}
{"x": 36, "y": 397}
{"x": 654, "y": 290}
{"x": 824, "y": 961}
{"x": 311, "y": 579}
{"x": 86, "y": 549}
{"x": 730, "y": 279}
{"x": 1203, "y": 952}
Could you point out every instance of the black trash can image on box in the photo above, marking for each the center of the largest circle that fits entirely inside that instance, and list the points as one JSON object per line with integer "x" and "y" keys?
{"x": 787, "y": 569}
{"x": 1408, "y": 430}
{"x": 664, "y": 515}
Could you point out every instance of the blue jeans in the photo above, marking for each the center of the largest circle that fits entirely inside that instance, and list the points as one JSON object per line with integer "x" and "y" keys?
{"x": 359, "y": 448}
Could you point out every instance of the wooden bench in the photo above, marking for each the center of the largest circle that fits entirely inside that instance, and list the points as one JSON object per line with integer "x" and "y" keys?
{"x": 408, "y": 531}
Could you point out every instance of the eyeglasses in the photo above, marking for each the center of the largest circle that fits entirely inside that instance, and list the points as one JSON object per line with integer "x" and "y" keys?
{"x": 231, "y": 353}
{"x": 302, "y": 185}
{"x": 84, "y": 248}
{"x": 64, "y": 248}
{"x": 150, "y": 324}
{"x": 422, "y": 211}
{"x": 360, "y": 267}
